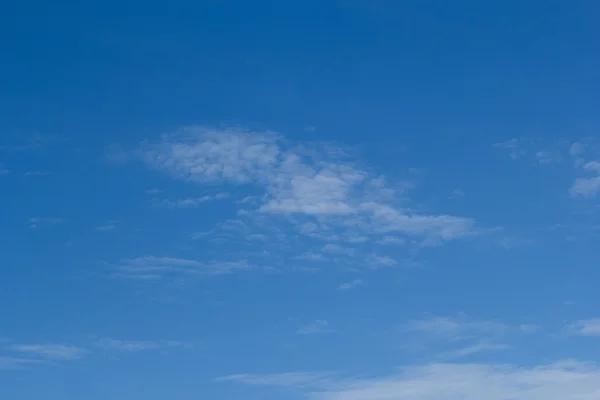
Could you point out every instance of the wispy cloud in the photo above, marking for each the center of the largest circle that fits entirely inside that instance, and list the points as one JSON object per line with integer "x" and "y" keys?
{"x": 338, "y": 249}
{"x": 134, "y": 346}
{"x": 457, "y": 194}
{"x": 585, "y": 327}
{"x": 26, "y": 142}
{"x": 445, "y": 381}
{"x": 188, "y": 202}
{"x": 311, "y": 256}
{"x": 392, "y": 240}
{"x": 106, "y": 228}
{"x": 514, "y": 147}
{"x": 49, "y": 351}
{"x": 587, "y": 186}
{"x": 12, "y": 363}
{"x": 375, "y": 261}
{"x": 473, "y": 349}
{"x": 453, "y": 327}
{"x": 576, "y": 149}
{"x": 319, "y": 326}
{"x": 459, "y": 336}
{"x": 547, "y": 157}
{"x": 289, "y": 380}
{"x": 35, "y": 173}
{"x": 35, "y": 222}
{"x": 305, "y": 183}
{"x": 153, "y": 268}
{"x": 351, "y": 285}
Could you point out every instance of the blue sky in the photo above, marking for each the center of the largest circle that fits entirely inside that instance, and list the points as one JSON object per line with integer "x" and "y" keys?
{"x": 335, "y": 200}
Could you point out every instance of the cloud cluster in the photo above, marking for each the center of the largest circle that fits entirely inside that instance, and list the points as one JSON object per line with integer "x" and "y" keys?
{"x": 305, "y": 184}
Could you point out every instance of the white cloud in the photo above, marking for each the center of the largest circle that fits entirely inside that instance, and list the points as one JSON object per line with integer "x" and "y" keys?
{"x": 50, "y": 352}
{"x": 319, "y": 326}
{"x": 350, "y": 285}
{"x": 153, "y": 268}
{"x": 457, "y": 194}
{"x": 453, "y": 327}
{"x": 290, "y": 379}
{"x": 546, "y": 157}
{"x": 376, "y": 261}
{"x": 4, "y": 171}
{"x": 35, "y": 222}
{"x": 586, "y": 327}
{"x": 35, "y": 173}
{"x": 588, "y": 186}
{"x": 188, "y": 202}
{"x": 310, "y": 183}
{"x": 576, "y": 149}
{"x": 106, "y": 228}
{"x": 202, "y": 154}
{"x": 389, "y": 240}
{"x": 129, "y": 346}
{"x": 312, "y": 256}
{"x": 337, "y": 249}
{"x": 514, "y": 148}
{"x": 473, "y": 349}
{"x": 11, "y": 363}
{"x": 134, "y": 346}
{"x": 446, "y": 381}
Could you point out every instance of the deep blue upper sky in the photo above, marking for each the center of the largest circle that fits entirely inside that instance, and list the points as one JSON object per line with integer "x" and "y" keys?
{"x": 336, "y": 200}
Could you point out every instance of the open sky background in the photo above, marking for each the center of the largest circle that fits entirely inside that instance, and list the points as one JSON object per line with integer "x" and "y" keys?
{"x": 334, "y": 200}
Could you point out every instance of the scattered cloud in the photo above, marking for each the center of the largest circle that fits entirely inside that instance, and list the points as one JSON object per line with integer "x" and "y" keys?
{"x": 473, "y": 349}
{"x": 35, "y": 222}
{"x": 188, "y": 202}
{"x": 392, "y": 240}
{"x": 576, "y": 149}
{"x": 561, "y": 380}
{"x": 311, "y": 256}
{"x": 586, "y": 327}
{"x": 128, "y": 346}
{"x": 35, "y": 173}
{"x": 288, "y": 380}
{"x": 155, "y": 268}
{"x": 455, "y": 327}
{"x": 375, "y": 261}
{"x": 546, "y": 157}
{"x": 457, "y": 194}
{"x": 49, "y": 352}
{"x": 514, "y": 147}
{"x": 12, "y": 363}
{"x": 106, "y": 228}
{"x": 134, "y": 346}
{"x": 153, "y": 191}
{"x": 319, "y": 326}
{"x": 339, "y": 250}
{"x": 4, "y": 171}
{"x": 351, "y": 285}
{"x": 587, "y": 186}
{"x": 26, "y": 142}
{"x": 303, "y": 184}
